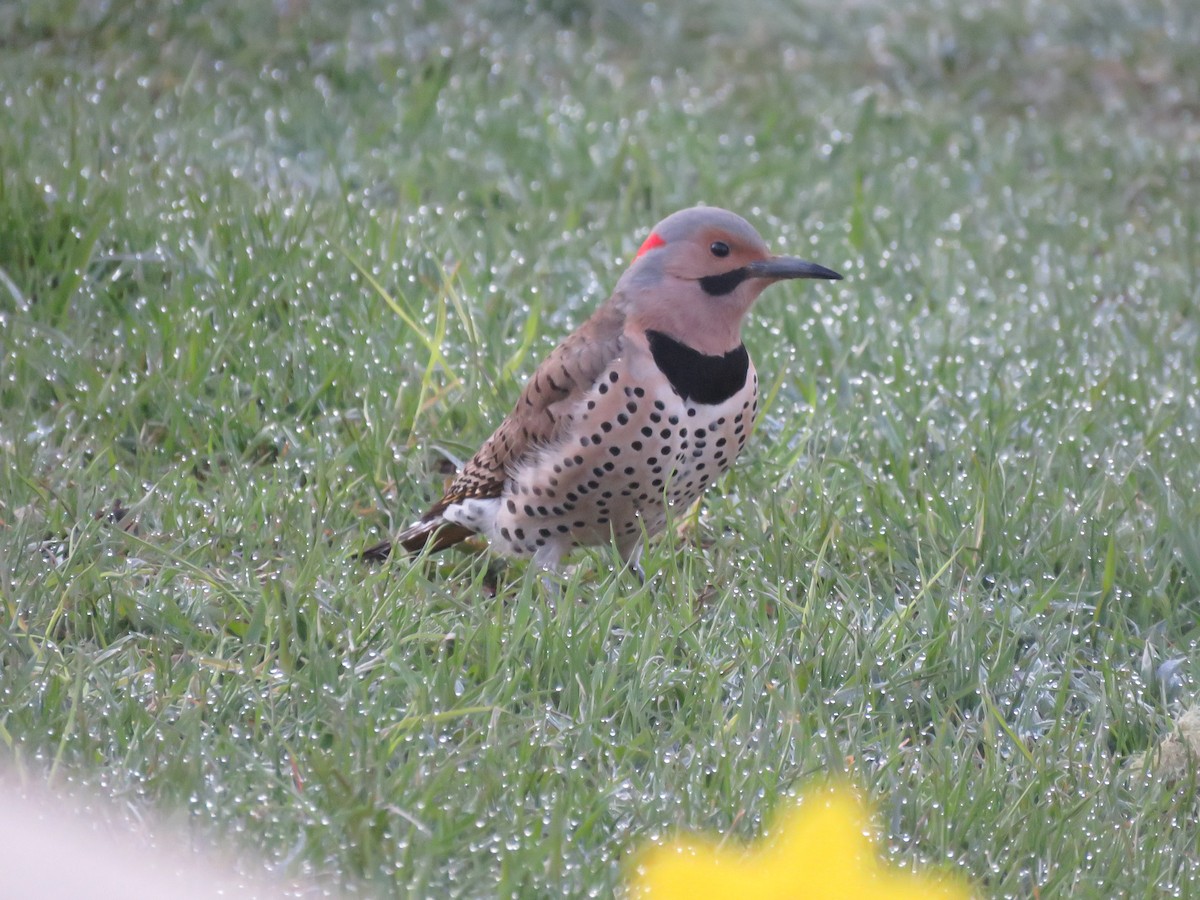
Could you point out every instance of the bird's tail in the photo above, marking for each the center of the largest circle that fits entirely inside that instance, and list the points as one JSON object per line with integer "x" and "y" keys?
{"x": 432, "y": 533}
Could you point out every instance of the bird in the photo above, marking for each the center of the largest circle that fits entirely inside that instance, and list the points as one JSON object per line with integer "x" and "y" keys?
{"x": 634, "y": 415}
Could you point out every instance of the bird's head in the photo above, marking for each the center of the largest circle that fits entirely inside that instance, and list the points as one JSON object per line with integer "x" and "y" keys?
{"x": 697, "y": 274}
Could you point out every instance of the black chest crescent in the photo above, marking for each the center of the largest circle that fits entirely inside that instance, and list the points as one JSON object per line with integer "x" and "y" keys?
{"x": 697, "y": 376}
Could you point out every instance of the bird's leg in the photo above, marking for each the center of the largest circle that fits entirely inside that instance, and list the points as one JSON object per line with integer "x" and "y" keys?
{"x": 633, "y": 561}
{"x": 548, "y": 557}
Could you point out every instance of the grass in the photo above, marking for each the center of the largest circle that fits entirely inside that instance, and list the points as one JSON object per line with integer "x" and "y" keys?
{"x": 263, "y": 269}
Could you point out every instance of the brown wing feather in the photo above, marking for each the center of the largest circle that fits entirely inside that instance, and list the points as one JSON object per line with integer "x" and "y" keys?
{"x": 541, "y": 410}
{"x": 437, "y": 534}
{"x": 568, "y": 372}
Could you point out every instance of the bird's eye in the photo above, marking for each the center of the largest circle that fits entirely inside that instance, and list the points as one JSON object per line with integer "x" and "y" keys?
{"x": 719, "y": 248}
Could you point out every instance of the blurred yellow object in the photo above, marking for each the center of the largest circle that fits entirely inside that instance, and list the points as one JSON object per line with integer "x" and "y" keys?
{"x": 818, "y": 849}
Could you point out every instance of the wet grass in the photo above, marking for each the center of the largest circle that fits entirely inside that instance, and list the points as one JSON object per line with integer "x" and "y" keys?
{"x": 264, "y": 268}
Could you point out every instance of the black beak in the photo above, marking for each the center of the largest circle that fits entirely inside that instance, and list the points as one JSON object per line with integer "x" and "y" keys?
{"x": 780, "y": 267}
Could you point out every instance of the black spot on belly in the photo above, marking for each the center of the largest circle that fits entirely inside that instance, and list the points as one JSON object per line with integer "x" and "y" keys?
{"x": 697, "y": 376}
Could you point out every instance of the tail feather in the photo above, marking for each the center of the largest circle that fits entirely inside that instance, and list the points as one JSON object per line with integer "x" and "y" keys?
{"x": 433, "y": 533}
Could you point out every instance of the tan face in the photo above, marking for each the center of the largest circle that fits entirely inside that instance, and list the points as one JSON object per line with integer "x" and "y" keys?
{"x": 712, "y": 252}
{"x": 697, "y": 275}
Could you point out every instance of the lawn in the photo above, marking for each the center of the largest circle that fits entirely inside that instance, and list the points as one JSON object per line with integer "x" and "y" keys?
{"x": 268, "y": 270}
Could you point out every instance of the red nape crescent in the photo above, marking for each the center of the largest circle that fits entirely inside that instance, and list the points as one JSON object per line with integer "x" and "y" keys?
{"x": 649, "y": 244}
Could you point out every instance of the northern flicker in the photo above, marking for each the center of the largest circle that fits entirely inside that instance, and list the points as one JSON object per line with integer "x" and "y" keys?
{"x": 635, "y": 414}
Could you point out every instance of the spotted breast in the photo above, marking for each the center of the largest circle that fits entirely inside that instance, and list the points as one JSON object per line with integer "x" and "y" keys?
{"x": 655, "y": 430}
